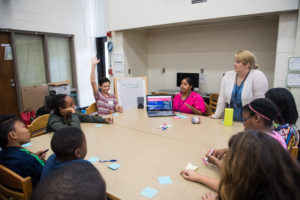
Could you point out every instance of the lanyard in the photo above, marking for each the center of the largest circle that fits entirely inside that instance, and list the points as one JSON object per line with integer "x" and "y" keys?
{"x": 237, "y": 89}
{"x": 180, "y": 104}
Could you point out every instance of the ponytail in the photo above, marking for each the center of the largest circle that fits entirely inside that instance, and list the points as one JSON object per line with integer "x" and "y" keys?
{"x": 254, "y": 66}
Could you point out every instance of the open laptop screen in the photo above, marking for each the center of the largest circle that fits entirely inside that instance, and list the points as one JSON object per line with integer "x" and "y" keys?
{"x": 163, "y": 102}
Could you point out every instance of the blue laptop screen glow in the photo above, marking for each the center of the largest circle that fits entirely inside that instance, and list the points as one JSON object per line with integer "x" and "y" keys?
{"x": 159, "y": 103}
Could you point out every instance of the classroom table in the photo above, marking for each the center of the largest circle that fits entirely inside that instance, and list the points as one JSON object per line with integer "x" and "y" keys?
{"x": 145, "y": 152}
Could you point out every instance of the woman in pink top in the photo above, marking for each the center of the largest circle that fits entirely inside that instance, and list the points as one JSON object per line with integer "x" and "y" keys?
{"x": 188, "y": 101}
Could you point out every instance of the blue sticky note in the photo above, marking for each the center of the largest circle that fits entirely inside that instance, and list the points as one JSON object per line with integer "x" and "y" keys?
{"x": 26, "y": 145}
{"x": 164, "y": 180}
{"x": 149, "y": 192}
{"x": 93, "y": 159}
{"x": 115, "y": 114}
{"x": 182, "y": 116}
{"x": 114, "y": 166}
{"x": 99, "y": 125}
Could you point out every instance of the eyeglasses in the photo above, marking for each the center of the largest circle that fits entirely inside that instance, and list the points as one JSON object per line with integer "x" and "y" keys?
{"x": 244, "y": 120}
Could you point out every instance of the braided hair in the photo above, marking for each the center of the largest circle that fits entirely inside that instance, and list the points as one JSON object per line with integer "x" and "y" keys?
{"x": 285, "y": 103}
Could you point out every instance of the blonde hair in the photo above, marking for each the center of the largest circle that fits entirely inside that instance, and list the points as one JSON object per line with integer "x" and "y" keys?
{"x": 246, "y": 57}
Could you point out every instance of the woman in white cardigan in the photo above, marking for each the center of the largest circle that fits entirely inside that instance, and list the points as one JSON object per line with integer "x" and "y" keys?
{"x": 241, "y": 86}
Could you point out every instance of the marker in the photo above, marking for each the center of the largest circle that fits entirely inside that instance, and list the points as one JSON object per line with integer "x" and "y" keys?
{"x": 43, "y": 152}
{"x": 108, "y": 160}
{"x": 211, "y": 151}
{"x": 204, "y": 160}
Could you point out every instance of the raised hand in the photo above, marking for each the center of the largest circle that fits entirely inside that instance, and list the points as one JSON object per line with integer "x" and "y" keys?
{"x": 95, "y": 61}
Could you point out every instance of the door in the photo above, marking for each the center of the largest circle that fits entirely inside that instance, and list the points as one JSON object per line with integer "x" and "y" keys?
{"x": 8, "y": 93}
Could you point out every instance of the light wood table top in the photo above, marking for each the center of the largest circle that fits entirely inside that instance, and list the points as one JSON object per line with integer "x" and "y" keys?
{"x": 146, "y": 153}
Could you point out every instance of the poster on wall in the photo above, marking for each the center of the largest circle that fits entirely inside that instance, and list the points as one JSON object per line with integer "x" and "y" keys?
{"x": 119, "y": 68}
{"x": 202, "y": 78}
{"x": 293, "y": 80}
{"x": 294, "y": 64}
{"x": 118, "y": 63}
{"x": 118, "y": 58}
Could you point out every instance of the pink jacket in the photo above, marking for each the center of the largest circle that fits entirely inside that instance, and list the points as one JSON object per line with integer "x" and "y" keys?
{"x": 194, "y": 99}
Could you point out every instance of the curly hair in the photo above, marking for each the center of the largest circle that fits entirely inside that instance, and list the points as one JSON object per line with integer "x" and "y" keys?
{"x": 257, "y": 167}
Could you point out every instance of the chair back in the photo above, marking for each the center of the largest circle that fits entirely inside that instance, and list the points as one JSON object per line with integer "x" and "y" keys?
{"x": 92, "y": 109}
{"x": 213, "y": 100}
{"x": 160, "y": 93}
{"x": 207, "y": 110}
{"x": 38, "y": 126}
{"x": 13, "y": 186}
{"x": 294, "y": 151}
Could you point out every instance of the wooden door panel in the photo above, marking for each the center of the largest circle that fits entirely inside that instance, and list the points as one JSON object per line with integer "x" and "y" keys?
{"x": 8, "y": 94}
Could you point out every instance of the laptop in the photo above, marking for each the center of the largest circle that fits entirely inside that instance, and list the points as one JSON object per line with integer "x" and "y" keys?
{"x": 160, "y": 105}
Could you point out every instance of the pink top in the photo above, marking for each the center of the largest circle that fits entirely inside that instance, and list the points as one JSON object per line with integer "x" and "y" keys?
{"x": 105, "y": 105}
{"x": 279, "y": 138}
{"x": 194, "y": 99}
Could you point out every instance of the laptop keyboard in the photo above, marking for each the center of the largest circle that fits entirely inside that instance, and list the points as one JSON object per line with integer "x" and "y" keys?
{"x": 161, "y": 113}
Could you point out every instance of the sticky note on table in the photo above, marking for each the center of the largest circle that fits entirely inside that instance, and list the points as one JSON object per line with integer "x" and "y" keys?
{"x": 176, "y": 117}
{"x": 114, "y": 166}
{"x": 191, "y": 166}
{"x": 26, "y": 145}
{"x": 115, "y": 114}
{"x": 149, "y": 192}
{"x": 99, "y": 125}
{"x": 93, "y": 159}
{"x": 164, "y": 180}
{"x": 182, "y": 116}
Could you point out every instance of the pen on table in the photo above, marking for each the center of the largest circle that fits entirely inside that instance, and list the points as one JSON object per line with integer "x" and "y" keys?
{"x": 114, "y": 160}
{"x": 211, "y": 151}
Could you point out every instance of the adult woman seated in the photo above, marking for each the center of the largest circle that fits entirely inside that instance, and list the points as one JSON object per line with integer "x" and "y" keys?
{"x": 188, "y": 101}
{"x": 241, "y": 86}
{"x": 106, "y": 102}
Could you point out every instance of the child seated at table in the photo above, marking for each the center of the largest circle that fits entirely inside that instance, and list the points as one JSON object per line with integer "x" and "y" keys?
{"x": 258, "y": 115}
{"x": 105, "y": 101}
{"x": 257, "y": 167}
{"x": 64, "y": 114}
{"x": 287, "y": 116}
{"x": 68, "y": 145}
{"x": 13, "y": 134}
{"x": 75, "y": 180}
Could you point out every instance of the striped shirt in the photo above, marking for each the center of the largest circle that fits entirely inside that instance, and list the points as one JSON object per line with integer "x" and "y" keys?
{"x": 105, "y": 105}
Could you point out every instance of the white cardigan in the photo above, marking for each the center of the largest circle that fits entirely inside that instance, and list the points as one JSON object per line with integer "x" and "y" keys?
{"x": 255, "y": 86}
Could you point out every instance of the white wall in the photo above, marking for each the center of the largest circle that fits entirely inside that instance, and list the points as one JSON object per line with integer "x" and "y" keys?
{"x": 285, "y": 46}
{"x": 296, "y": 91}
{"x": 128, "y": 14}
{"x": 132, "y": 45}
{"x": 288, "y": 46}
{"x": 60, "y": 16}
{"x": 211, "y": 47}
{"x": 135, "y": 48}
